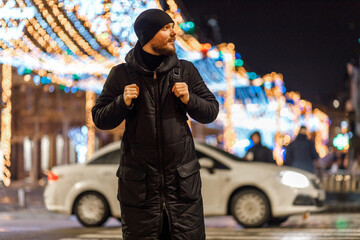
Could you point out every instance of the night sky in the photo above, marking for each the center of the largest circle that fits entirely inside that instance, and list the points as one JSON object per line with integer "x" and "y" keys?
{"x": 309, "y": 42}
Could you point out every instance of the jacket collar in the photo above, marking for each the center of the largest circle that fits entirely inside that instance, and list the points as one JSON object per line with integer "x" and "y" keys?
{"x": 301, "y": 137}
{"x": 135, "y": 59}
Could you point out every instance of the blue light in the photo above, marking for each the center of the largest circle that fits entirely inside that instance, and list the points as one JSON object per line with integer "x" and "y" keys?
{"x": 252, "y": 89}
{"x": 84, "y": 130}
{"x": 190, "y": 25}
{"x": 21, "y": 70}
{"x": 79, "y": 140}
{"x": 66, "y": 89}
{"x": 185, "y": 28}
{"x": 237, "y": 55}
{"x": 344, "y": 124}
{"x": 283, "y": 152}
{"x": 36, "y": 79}
{"x": 267, "y": 85}
{"x": 51, "y": 89}
{"x": 45, "y": 80}
{"x": 251, "y": 75}
{"x": 251, "y": 144}
{"x": 74, "y": 89}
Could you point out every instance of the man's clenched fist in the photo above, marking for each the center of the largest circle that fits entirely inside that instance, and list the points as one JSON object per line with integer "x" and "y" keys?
{"x": 130, "y": 92}
{"x": 180, "y": 89}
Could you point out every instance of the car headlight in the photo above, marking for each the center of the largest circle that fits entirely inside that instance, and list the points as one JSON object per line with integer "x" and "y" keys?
{"x": 294, "y": 179}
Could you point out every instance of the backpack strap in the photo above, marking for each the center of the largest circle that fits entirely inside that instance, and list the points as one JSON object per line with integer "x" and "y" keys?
{"x": 132, "y": 74}
{"x": 176, "y": 73}
{"x": 176, "y": 77}
{"x": 133, "y": 77}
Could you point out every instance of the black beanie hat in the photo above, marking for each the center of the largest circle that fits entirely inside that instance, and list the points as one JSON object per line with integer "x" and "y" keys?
{"x": 148, "y": 23}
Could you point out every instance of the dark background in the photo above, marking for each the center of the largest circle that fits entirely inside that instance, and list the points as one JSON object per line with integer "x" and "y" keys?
{"x": 309, "y": 42}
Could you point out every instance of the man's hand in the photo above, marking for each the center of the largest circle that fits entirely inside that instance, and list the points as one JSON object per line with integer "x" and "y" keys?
{"x": 180, "y": 89}
{"x": 130, "y": 92}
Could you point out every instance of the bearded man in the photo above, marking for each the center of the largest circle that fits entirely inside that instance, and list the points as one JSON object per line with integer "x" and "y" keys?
{"x": 158, "y": 175}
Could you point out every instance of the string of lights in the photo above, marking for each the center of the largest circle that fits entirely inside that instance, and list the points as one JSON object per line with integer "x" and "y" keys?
{"x": 6, "y": 85}
{"x": 78, "y": 39}
{"x": 73, "y": 44}
{"x": 84, "y": 32}
{"x": 90, "y": 101}
{"x": 49, "y": 30}
{"x": 229, "y": 132}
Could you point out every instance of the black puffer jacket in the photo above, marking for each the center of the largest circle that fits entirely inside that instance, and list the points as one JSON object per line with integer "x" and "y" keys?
{"x": 159, "y": 169}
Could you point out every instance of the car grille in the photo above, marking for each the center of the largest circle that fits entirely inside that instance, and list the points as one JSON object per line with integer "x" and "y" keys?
{"x": 305, "y": 200}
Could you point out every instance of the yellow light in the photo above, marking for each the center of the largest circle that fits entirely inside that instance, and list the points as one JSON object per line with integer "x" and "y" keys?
{"x": 231, "y": 46}
{"x": 90, "y": 101}
{"x": 257, "y": 82}
{"x": 27, "y": 78}
{"x": 229, "y": 132}
{"x": 6, "y": 122}
{"x": 219, "y": 64}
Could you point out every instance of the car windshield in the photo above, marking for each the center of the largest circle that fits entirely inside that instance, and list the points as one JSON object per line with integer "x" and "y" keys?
{"x": 227, "y": 154}
{"x": 112, "y": 157}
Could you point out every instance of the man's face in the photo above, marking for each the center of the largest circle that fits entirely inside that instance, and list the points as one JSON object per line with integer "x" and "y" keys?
{"x": 255, "y": 138}
{"x": 163, "y": 42}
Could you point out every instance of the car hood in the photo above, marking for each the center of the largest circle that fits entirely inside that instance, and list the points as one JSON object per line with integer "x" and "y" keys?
{"x": 266, "y": 169}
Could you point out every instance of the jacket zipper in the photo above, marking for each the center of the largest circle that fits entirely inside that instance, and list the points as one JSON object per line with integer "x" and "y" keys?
{"x": 159, "y": 141}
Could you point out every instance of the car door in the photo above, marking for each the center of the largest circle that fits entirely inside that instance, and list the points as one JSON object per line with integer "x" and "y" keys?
{"x": 106, "y": 167}
{"x": 214, "y": 175}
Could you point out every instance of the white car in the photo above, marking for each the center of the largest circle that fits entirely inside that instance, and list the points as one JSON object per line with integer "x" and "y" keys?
{"x": 253, "y": 193}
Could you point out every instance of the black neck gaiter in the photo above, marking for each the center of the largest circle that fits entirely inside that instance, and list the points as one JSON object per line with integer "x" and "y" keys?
{"x": 151, "y": 61}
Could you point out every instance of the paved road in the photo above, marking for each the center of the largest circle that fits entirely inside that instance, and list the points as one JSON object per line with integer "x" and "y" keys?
{"x": 41, "y": 225}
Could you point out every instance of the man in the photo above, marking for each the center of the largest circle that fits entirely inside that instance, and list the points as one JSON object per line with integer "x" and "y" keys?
{"x": 301, "y": 152}
{"x": 259, "y": 153}
{"x": 159, "y": 179}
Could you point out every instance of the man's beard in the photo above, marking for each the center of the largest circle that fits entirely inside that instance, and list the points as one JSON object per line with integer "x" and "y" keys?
{"x": 163, "y": 49}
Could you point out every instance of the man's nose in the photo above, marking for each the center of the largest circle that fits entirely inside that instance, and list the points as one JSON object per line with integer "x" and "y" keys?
{"x": 173, "y": 33}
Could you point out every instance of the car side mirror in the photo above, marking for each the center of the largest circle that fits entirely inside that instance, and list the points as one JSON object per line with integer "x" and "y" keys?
{"x": 207, "y": 163}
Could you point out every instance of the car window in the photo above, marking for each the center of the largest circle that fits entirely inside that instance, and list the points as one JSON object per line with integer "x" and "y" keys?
{"x": 108, "y": 158}
{"x": 227, "y": 154}
{"x": 217, "y": 164}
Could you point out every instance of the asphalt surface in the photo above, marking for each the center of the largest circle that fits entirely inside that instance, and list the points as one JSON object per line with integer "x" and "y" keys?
{"x": 43, "y": 225}
{"x": 34, "y": 222}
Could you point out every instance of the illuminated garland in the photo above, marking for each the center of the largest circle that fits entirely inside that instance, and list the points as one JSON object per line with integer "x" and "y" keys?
{"x": 229, "y": 133}
{"x": 6, "y": 122}
{"x": 90, "y": 102}
{"x": 75, "y": 43}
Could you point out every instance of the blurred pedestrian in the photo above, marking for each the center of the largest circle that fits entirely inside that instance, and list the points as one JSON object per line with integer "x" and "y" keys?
{"x": 159, "y": 179}
{"x": 258, "y": 152}
{"x": 301, "y": 152}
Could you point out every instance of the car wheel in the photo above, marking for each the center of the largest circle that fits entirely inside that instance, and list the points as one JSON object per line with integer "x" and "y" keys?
{"x": 91, "y": 209}
{"x": 250, "y": 208}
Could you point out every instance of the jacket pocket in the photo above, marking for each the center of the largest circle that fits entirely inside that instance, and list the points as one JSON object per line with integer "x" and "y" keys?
{"x": 132, "y": 189}
{"x": 189, "y": 180}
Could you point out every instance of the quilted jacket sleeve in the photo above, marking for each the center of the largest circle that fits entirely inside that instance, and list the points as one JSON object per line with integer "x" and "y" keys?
{"x": 202, "y": 106}
{"x": 110, "y": 109}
